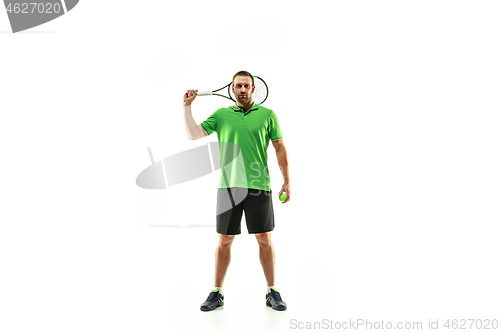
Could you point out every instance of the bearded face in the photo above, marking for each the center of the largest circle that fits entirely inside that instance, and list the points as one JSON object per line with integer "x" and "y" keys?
{"x": 243, "y": 90}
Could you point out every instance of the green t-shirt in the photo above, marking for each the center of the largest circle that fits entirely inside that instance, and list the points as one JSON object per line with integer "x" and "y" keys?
{"x": 243, "y": 142}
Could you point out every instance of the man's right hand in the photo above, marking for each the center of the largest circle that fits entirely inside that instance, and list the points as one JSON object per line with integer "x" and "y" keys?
{"x": 189, "y": 97}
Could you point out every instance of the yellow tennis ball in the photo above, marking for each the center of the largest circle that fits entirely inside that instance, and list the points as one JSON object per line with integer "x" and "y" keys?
{"x": 283, "y": 197}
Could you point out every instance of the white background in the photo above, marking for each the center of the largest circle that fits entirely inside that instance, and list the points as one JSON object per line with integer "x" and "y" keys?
{"x": 390, "y": 114}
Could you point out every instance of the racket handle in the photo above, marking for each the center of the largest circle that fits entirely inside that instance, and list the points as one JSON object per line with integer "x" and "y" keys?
{"x": 204, "y": 93}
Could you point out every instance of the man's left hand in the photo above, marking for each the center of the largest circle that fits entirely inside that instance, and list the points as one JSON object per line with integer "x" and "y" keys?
{"x": 287, "y": 189}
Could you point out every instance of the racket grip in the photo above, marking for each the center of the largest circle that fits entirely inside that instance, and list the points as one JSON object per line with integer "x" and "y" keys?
{"x": 204, "y": 93}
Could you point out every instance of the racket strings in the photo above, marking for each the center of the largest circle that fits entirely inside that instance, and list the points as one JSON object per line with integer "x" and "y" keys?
{"x": 260, "y": 93}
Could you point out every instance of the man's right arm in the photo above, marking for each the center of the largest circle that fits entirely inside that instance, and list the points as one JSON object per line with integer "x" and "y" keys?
{"x": 194, "y": 131}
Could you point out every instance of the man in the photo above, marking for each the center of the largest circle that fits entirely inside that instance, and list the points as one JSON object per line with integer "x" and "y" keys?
{"x": 249, "y": 127}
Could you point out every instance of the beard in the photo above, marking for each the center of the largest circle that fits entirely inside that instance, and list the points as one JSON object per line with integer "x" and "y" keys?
{"x": 246, "y": 99}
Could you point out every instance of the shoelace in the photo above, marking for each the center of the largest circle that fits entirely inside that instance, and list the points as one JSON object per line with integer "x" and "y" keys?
{"x": 212, "y": 296}
{"x": 276, "y": 296}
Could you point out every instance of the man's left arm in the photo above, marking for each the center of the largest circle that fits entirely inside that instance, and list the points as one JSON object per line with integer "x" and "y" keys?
{"x": 282, "y": 156}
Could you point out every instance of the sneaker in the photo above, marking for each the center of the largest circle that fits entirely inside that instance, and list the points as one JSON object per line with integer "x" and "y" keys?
{"x": 214, "y": 300}
{"x": 273, "y": 299}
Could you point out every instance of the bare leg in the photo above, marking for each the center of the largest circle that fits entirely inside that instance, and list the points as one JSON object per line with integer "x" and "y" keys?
{"x": 222, "y": 258}
{"x": 266, "y": 254}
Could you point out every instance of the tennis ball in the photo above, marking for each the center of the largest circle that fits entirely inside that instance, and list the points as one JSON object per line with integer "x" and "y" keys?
{"x": 283, "y": 197}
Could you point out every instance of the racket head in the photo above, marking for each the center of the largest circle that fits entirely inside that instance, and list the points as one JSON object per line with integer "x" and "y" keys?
{"x": 260, "y": 94}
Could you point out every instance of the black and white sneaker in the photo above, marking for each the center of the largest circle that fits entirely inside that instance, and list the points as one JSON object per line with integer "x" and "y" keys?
{"x": 273, "y": 299}
{"x": 214, "y": 300}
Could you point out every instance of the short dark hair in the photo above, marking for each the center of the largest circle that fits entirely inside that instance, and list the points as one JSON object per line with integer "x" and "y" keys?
{"x": 243, "y": 73}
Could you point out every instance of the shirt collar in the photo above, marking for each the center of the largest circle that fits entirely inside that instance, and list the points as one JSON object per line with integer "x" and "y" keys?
{"x": 237, "y": 108}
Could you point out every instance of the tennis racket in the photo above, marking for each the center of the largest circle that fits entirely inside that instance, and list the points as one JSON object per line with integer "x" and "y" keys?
{"x": 259, "y": 95}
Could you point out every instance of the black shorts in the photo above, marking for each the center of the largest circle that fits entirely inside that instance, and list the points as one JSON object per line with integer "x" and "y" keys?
{"x": 257, "y": 205}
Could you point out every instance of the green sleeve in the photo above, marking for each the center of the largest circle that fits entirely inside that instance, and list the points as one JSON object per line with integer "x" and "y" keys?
{"x": 210, "y": 125}
{"x": 274, "y": 128}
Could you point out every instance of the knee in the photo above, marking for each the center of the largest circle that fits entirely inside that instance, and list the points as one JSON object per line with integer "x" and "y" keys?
{"x": 264, "y": 239}
{"x": 226, "y": 240}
